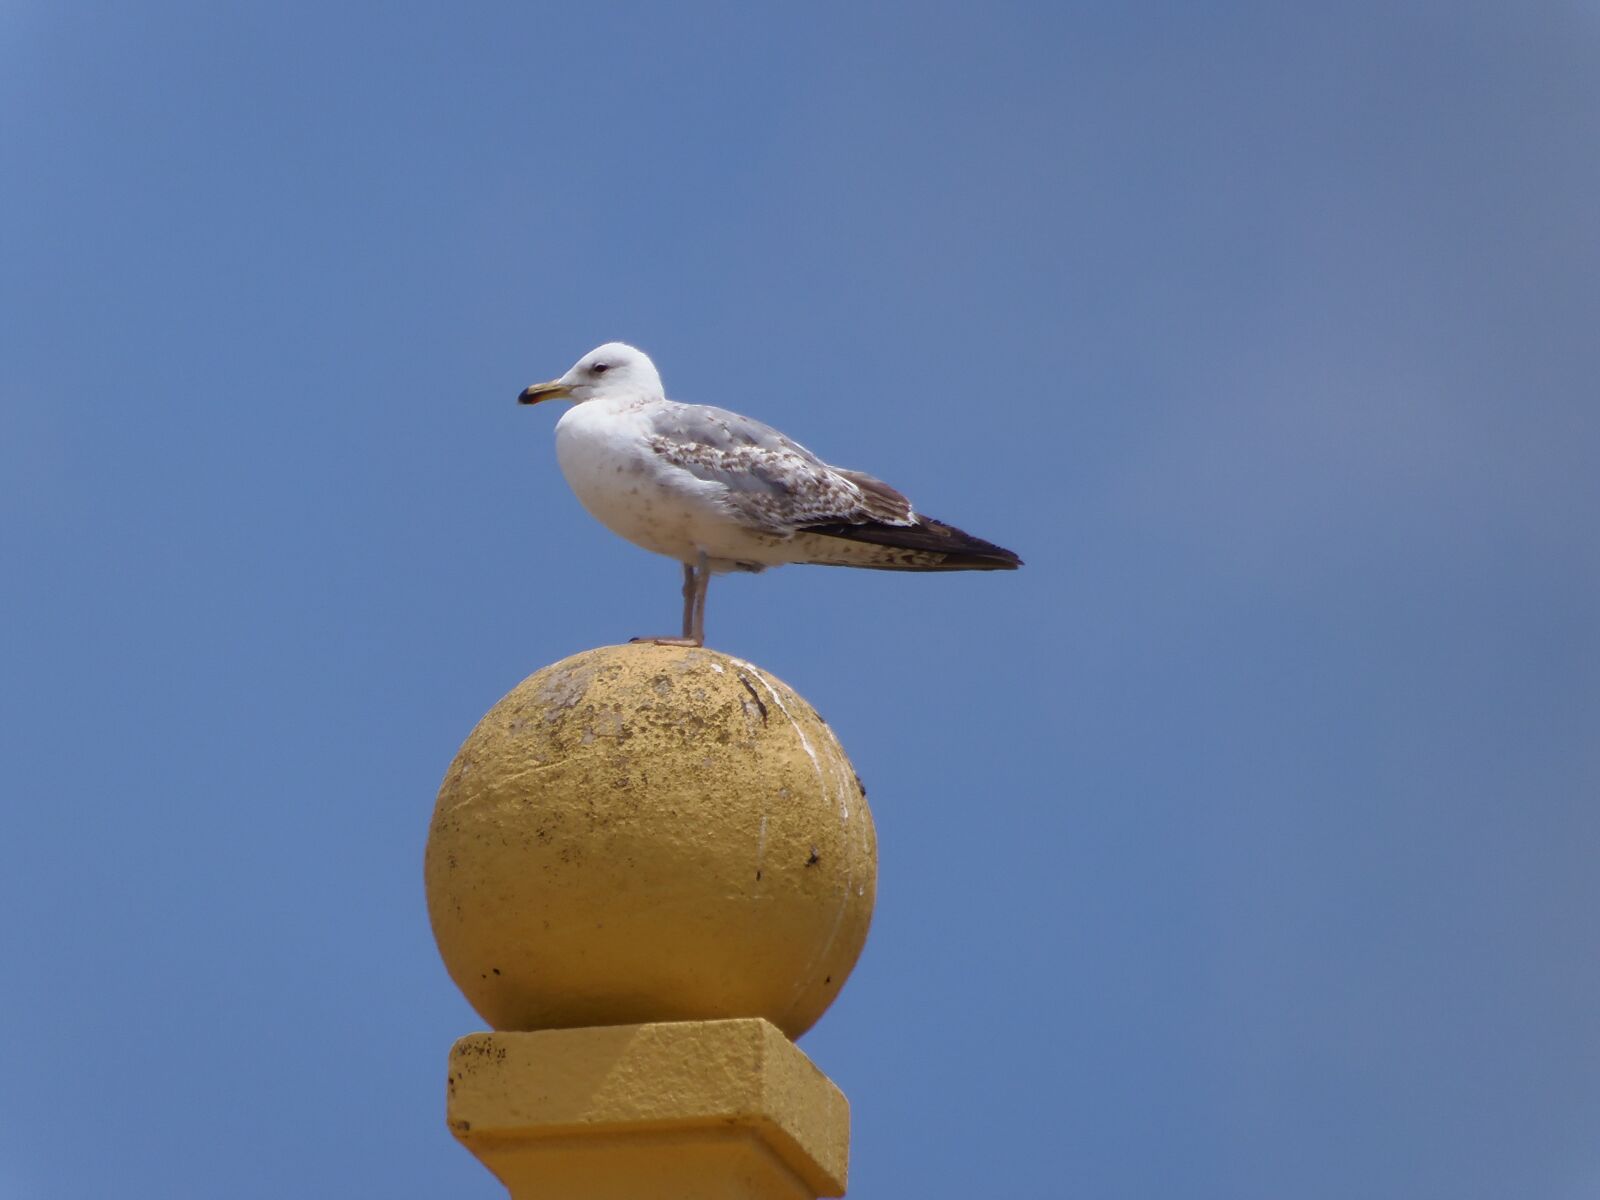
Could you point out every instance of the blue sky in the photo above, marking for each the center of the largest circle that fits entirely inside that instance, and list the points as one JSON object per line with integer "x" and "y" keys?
{"x": 1242, "y": 845}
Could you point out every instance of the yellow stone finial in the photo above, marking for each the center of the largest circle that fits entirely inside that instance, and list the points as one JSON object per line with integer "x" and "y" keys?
{"x": 649, "y": 833}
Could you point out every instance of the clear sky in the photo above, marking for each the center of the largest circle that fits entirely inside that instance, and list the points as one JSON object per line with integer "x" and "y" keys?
{"x": 1243, "y": 845}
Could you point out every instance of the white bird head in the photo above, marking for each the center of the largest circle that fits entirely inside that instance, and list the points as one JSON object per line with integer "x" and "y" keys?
{"x": 606, "y": 372}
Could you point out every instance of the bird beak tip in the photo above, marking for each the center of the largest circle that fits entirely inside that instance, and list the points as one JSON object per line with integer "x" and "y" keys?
{"x": 543, "y": 391}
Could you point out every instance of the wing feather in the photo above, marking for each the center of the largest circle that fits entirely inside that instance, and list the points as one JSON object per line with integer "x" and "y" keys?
{"x": 771, "y": 482}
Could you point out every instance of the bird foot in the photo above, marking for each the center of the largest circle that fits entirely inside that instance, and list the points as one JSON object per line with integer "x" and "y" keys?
{"x": 667, "y": 641}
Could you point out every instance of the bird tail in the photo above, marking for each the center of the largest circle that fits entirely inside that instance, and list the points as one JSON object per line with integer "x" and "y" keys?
{"x": 926, "y": 545}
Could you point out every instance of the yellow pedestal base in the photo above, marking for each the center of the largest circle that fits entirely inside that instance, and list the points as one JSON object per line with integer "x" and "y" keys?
{"x": 692, "y": 1110}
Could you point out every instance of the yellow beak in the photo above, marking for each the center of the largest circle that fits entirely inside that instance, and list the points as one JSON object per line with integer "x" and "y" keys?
{"x": 554, "y": 390}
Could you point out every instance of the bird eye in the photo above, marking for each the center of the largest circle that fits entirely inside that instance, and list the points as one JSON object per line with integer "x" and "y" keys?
{"x": 599, "y": 368}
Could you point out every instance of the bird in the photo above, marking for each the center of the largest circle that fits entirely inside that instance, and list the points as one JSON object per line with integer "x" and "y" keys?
{"x": 721, "y": 492}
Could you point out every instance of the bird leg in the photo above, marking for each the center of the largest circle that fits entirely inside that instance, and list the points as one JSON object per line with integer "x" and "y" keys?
{"x": 702, "y": 584}
{"x": 689, "y": 585}
{"x": 694, "y": 608}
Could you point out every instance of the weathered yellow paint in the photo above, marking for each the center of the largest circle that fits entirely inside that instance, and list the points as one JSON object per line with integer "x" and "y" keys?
{"x": 650, "y": 833}
{"x": 708, "y": 1110}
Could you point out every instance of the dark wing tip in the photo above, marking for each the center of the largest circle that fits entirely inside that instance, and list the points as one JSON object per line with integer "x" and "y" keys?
{"x": 958, "y": 550}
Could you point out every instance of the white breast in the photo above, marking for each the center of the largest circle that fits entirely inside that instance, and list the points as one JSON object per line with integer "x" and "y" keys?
{"x": 603, "y": 453}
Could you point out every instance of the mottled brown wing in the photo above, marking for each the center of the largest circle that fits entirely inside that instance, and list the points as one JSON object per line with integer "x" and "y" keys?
{"x": 772, "y": 482}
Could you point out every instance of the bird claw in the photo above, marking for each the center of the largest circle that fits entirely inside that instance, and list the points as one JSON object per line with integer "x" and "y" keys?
{"x": 667, "y": 641}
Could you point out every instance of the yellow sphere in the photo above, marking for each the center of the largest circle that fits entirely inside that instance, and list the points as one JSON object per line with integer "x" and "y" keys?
{"x": 650, "y": 833}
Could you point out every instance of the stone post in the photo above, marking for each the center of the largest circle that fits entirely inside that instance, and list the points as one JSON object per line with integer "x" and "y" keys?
{"x": 650, "y": 868}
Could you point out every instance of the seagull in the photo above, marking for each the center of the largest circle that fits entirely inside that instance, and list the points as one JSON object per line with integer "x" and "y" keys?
{"x": 720, "y": 492}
